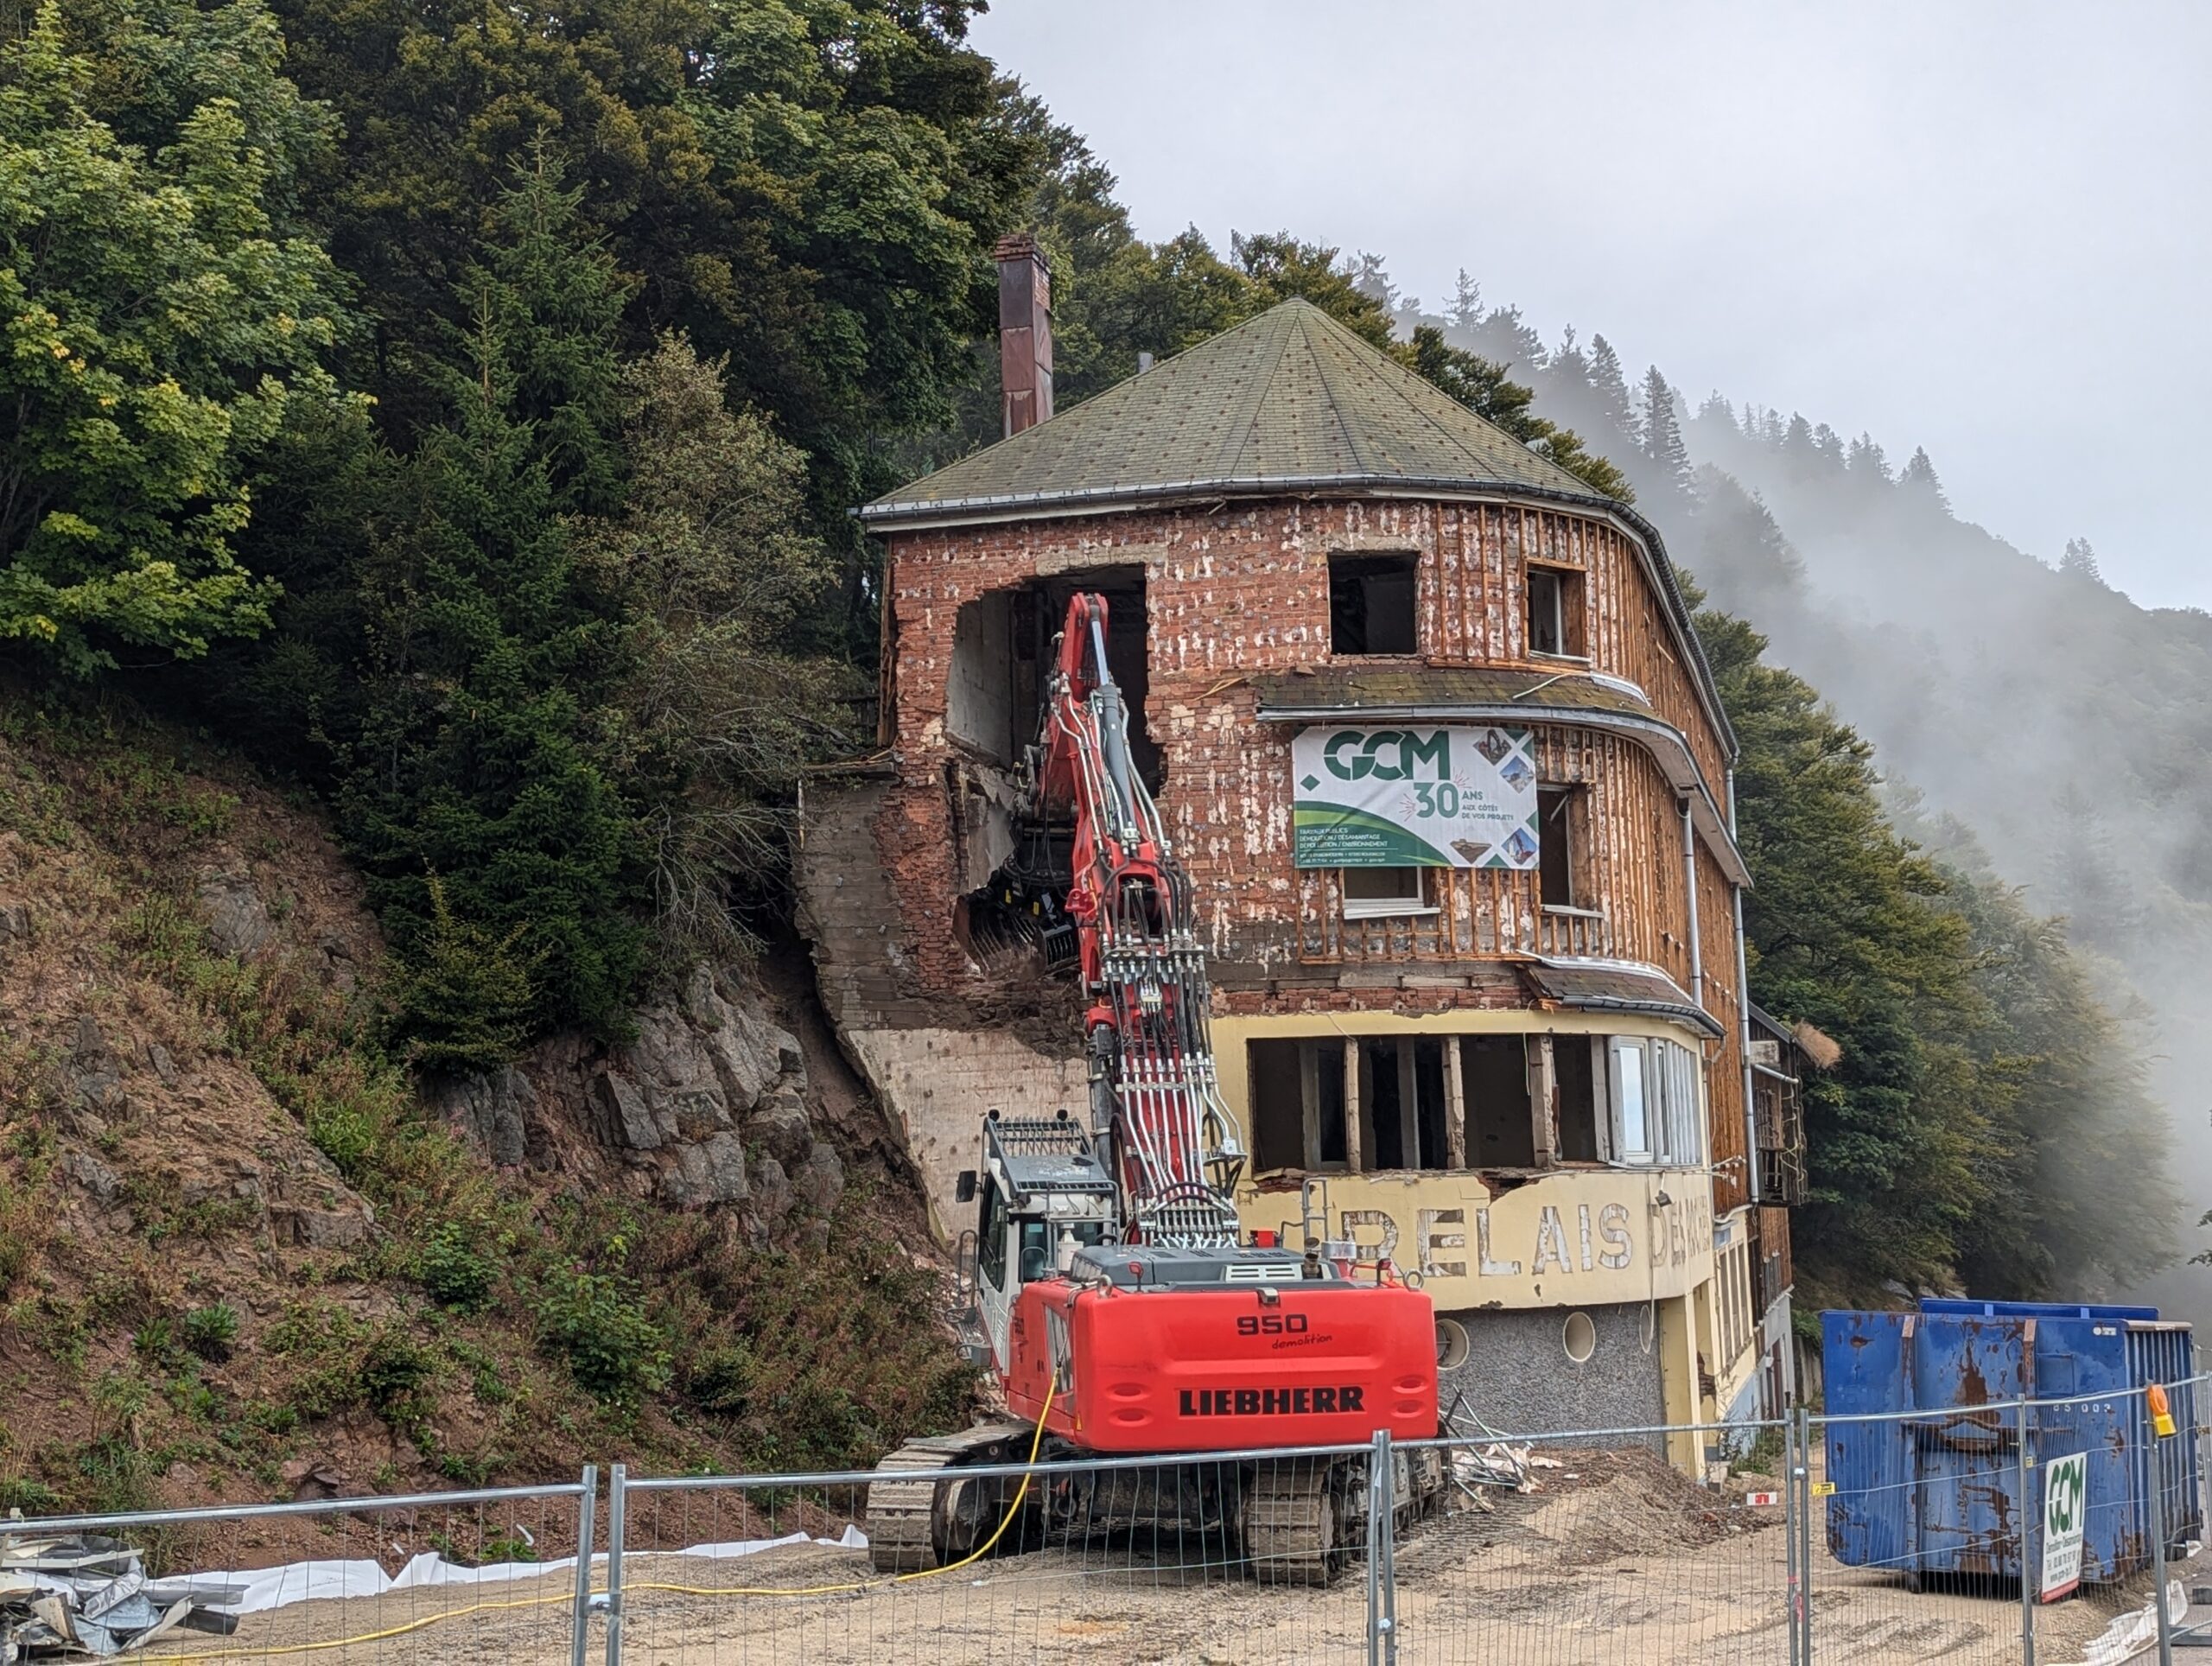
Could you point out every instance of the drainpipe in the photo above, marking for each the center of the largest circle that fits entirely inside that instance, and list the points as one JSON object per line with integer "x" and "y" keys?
{"x": 1744, "y": 1024}
{"x": 1697, "y": 938}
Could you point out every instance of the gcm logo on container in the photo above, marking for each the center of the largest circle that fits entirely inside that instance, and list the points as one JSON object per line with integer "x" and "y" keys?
{"x": 1358, "y": 755}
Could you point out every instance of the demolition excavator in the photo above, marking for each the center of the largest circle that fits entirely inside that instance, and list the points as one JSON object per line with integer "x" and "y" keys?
{"x": 1110, "y": 1291}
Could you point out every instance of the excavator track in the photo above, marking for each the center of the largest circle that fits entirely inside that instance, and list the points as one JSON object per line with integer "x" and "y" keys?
{"x": 1295, "y": 1528}
{"x": 915, "y": 1522}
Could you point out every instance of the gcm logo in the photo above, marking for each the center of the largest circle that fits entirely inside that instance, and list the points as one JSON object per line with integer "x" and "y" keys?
{"x": 1387, "y": 754}
{"x": 2064, "y": 1511}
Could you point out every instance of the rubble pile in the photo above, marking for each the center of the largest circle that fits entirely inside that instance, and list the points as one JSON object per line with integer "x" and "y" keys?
{"x": 82, "y": 1596}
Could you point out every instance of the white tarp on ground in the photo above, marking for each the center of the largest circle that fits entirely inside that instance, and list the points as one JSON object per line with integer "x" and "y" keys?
{"x": 253, "y": 1590}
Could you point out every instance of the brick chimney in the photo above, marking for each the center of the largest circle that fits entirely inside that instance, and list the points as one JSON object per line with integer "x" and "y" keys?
{"x": 1025, "y": 331}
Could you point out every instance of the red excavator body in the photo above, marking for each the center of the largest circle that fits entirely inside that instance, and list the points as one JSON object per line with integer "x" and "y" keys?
{"x": 1214, "y": 1368}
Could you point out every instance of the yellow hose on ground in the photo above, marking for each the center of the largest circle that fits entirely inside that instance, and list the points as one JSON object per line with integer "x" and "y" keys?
{"x": 1036, "y": 1444}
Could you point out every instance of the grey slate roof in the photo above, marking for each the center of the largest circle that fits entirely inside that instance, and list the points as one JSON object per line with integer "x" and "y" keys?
{"x": 1291, "y": 399}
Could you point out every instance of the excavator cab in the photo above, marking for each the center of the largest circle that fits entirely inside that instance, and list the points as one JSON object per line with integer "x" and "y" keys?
{"x": 1041, "y": 1195}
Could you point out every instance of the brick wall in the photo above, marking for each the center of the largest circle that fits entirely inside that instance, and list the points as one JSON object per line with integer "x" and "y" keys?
{"x": 1237, "y": 589}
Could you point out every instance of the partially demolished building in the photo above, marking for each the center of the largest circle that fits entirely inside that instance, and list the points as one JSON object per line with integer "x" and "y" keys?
{"x": 1428, "y": 720}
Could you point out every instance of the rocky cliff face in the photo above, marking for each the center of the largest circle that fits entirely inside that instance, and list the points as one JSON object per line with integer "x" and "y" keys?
{"x": 707, "y": 1107}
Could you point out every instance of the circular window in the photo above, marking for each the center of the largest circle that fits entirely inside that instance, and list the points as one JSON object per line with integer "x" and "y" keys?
{"x": 1452, "y": 1346}
{"x": 1580, "y": 1336}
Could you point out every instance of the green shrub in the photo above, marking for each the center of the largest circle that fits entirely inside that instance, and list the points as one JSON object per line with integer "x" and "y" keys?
{"x": 212, "y": 1330}
{"x": 156, "y": 1342}
{"x": 394, "y": 1371}
{"x": 596, "y": 1323}
{"x": 720, "y": 1378}
{"x": 455, "y": 1271}
{"x": 32, "y": 1498}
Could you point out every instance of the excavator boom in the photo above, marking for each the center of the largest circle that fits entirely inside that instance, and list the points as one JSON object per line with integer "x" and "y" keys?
{"x": 1154, "y": 1094}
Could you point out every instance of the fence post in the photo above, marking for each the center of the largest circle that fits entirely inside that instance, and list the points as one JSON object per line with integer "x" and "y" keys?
{"x": 2028, "y": 1516}
{"x": 587, "y": 1530}
{"x": 1792, "y": 1500}
{"x": 1805, "y": 1535}
{"x": 616, "y": 1478}
{"x": 2158, "y": 1476}
{"x": 1381, "y": 1577}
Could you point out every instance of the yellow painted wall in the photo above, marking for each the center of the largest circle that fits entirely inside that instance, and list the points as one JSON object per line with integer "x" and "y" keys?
{"x": 1572, "y": 1236}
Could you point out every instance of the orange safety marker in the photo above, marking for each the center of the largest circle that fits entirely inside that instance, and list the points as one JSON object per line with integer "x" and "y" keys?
{"x": 2162, "y": 1416}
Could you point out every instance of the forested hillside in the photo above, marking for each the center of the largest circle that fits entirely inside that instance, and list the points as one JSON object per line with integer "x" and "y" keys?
{"x": 2020, "y": 995}
{"x": 454, "y": 413}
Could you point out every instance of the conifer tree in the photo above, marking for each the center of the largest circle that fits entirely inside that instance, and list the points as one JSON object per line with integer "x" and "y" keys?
{"x": 1662, "y": 430}
{"x": 2080, "y": 560}
{"x": 1919, "y": 483}
{"x": 1866, "y": 460}
{"x": 1611, "y": 387}
{"x": 479, "y": 763}
{"x": 1466, "y": 309}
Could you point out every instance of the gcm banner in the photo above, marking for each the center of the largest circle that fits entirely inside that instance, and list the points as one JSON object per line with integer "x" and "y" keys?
{"x": 1419, "y": 798}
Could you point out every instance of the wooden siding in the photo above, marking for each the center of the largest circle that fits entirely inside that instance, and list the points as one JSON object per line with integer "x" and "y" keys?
{"x": 1627, "y": 856}
{"x": 1474, "y": 609}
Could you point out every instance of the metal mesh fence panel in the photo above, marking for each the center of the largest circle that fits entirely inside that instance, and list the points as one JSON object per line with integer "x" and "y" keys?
{"x": 1928, "y": 1534}
{"x": 468, "y": 1578}
{"x": 1552, "y": 1550}
{"x": 1257, "y": 1557}
{"x": 1915, "y": 1530}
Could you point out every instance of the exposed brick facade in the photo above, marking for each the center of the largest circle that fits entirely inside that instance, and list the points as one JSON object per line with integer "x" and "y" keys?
{"x": 1238, "y": 588}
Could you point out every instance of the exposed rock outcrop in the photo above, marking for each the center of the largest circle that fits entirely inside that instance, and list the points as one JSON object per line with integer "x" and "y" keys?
{"x": 707, "y": 1107}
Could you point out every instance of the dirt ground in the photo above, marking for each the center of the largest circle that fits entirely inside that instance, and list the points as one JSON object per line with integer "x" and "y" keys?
{"x": 1616, "y": 1560}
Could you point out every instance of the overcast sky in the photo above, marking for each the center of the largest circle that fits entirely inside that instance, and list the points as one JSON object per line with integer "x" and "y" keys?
{"x": 1980, "y": 228}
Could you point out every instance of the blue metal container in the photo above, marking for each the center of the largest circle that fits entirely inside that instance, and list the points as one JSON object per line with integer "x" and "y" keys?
{"x": 1925, "y": 1458}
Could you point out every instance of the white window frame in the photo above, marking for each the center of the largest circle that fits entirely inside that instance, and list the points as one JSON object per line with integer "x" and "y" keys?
{"x": 1419, "y": 905}
{"x": 1618, "y": 1049}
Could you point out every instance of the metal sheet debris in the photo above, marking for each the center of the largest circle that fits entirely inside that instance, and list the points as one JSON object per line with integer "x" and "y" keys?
{"x": 81, "y": 1595}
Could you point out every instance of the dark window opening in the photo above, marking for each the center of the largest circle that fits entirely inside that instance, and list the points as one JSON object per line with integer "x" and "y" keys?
{"x": 1557, "y": 815}
{"x": 1494, "y": 1082}
{"x": 1371, "y": 604}
{"x": 1297, "y": 1102}
{"x": 1381, "y": 1105}
{"x": 1555, "y": 613}
{"x": 1404, "y": 1114}
{"x": 1429, "y": 1114}
{"x": 1577, "y": 1083}
{"x": 1277, "y": 1104}
{"x": 1331, "y": 1144}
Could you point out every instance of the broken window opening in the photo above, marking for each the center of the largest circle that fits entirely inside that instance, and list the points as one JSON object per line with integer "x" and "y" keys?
{"x": 1555, "y": 614}
{"x": 1621, "y": 1099}
{"x": 1371, "y": 604}
{"x": 1297, "y": 1104}
{"x": 1004, "y": 654}
{"x": 1384, "y": 893}
{"x": 1577, "y": 1085}
{"x": 1494, "y": 1085}
{"x": 1558, "y": 822}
